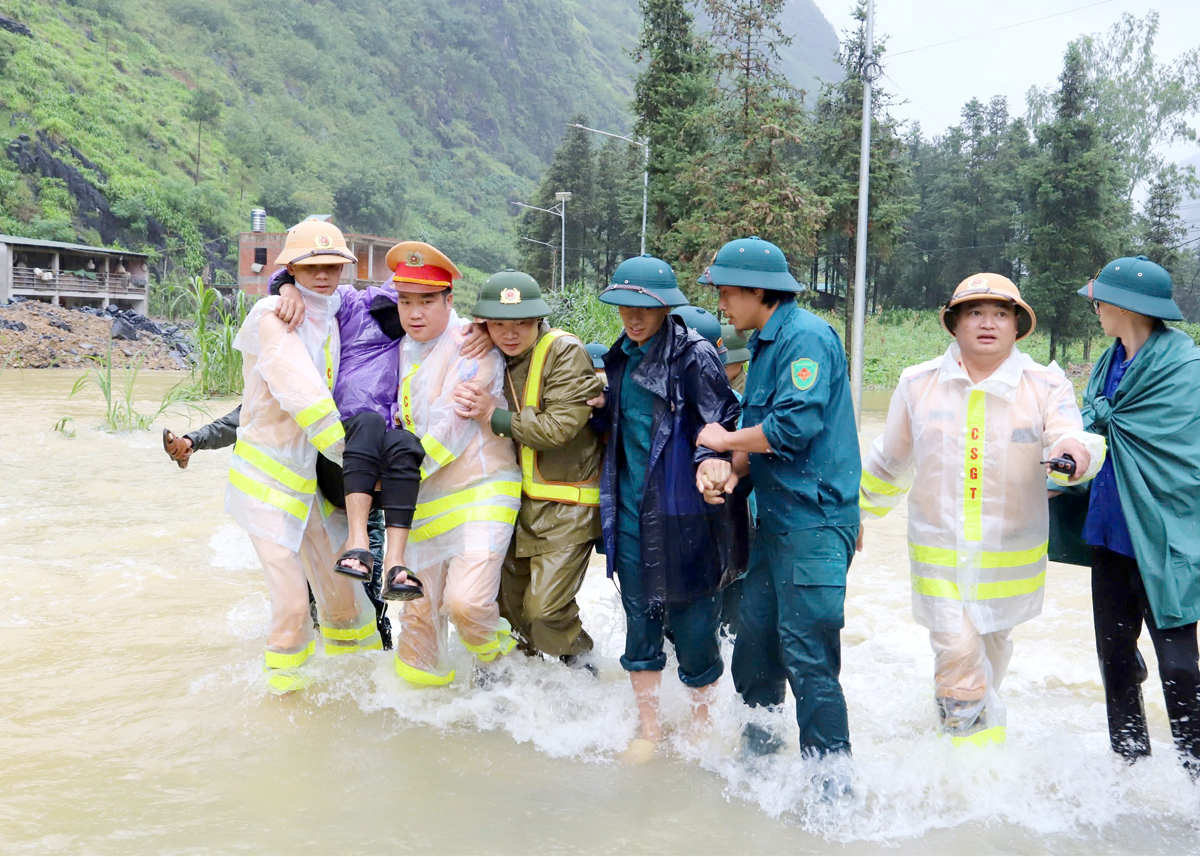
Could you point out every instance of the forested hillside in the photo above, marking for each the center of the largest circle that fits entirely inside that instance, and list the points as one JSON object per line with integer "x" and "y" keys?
{"x": 160, "y": 123}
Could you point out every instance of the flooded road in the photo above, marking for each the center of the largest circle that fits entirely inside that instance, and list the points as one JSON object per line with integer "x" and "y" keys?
{"x": 135, "y": 718}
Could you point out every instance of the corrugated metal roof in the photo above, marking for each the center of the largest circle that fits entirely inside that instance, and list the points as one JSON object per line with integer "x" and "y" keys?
{"x": 62, "y": 245}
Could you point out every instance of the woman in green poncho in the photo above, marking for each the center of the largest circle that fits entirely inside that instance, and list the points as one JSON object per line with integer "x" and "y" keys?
{"x": 1143, "y": 519}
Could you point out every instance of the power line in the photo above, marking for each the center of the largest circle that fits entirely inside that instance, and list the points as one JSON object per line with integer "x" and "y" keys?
{"x": 997, "y": 30}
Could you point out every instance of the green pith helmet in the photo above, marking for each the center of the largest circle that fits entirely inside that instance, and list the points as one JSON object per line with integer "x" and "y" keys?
{"x": 596, "y": 351}
{"x": 510, "y": 295}
{"x": 702, "y": 321}
{"x": 751, "y": 263}
{"x": 644, "y": 281}
{"x": 1136, "y": 284}
{"x": 737, "y": 351}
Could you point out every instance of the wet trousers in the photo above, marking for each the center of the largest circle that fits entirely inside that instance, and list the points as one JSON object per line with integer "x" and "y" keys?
{"x": 345, "y": 615}
{"x": 389, "y": 456}
{"x": 462, "y": 589}
{"x": 537, "y": 597}
{"x": 791, "y": 617}
{"x": 1119, "y": 606}
{"x": 968, "y": 668}
{"x": 693, "y": 626}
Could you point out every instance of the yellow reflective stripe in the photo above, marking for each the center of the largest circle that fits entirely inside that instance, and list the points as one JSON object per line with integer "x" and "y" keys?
{"x": 424, "y": 473}
{"x": 540, "y": 489}
{"x": 412, "y": 675}
{"x": 435, "y": 450}
{"x": 268, "y": 495}
{"x": 870, "y": 508}
{"x": 451, "y": 520}
{"x": 501, "y": 642}
{"x": 327, "y": 508}
{"x": 468, "y": 495}
{"x": 273, "y": 468}
{"x": 1009, "y": 588}
{"x": 406, "y": 406}
{"x": 563, "y": 493}
{"x": 312, "y": 413}
{"x": 935, "y": 587}
{"x": 995, "y": 735}
{"x": 329, "y": 437}
{"x": 987, "y": 559}
{"x": 348, "y": 633}
{"x": 533, "y": 381}
{"x": 280, "y": 661}
{"x": 973, "y": 467}
{"x": 329, "y": 368}
{"x": 875, "y": 485}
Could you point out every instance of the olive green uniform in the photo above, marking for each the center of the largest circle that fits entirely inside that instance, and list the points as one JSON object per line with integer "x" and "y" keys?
{"x": 549, "y": 553}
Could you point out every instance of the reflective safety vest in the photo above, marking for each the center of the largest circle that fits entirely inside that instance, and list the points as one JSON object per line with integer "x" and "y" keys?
{"x": 532, "y": 482}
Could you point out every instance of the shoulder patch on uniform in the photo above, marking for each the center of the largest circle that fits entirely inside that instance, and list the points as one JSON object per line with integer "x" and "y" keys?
{"x": 804, "y": 373}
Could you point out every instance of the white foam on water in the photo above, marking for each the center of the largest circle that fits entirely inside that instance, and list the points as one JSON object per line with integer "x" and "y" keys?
{"x": 232, "y": 550}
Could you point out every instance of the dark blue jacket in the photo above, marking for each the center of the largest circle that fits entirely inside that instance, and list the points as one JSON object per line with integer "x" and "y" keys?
{"x": 688, "y": 549}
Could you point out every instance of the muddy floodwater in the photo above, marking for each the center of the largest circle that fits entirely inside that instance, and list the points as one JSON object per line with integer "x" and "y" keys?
{"x": 133, "y": 716}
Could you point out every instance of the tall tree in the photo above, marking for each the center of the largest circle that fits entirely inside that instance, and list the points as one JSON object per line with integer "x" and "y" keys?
{"x": 674, "y": 83}
{"x": 835, "y": 148}
{"x": 203, "y": 108}
{"x": 745, "y": 182}
{"x": 1075, "y": 205}
{"x": 1162, "y": 228}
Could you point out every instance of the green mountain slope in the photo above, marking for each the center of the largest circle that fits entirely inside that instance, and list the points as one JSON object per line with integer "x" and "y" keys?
{"x": 413, "y": 117}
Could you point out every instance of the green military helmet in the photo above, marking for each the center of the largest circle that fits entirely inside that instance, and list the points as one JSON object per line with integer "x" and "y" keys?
{"x": 737, "y": 351}
{"x": 702, "y": 321}
{"x": 644, "y": 281}
{"x": 751, "y": 263}
{"x": 1136, "y": 284}
{"x": 510, "y": 295}
{"x": 596, "y": 351}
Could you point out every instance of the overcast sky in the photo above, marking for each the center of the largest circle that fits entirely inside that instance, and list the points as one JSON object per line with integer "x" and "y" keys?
{"x": 938, "y": 81}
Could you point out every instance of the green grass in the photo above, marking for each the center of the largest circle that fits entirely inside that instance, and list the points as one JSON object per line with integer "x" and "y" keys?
{"x": 117, "y": 390}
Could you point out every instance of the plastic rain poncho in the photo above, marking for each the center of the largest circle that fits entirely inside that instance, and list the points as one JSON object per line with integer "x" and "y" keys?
{"x": 468, "y": 501}
{"x": 978, "y": 515}
{"x": 287, "y": 419}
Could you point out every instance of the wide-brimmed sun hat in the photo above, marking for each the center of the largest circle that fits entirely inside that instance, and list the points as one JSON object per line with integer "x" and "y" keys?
{"x": 992, "y": 287}
{"x": 1136, "y": 284}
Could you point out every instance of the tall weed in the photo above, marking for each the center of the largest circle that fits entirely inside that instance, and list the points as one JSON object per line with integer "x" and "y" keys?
{"x": 215, "y": 323}
{"x": 117, "y": 390}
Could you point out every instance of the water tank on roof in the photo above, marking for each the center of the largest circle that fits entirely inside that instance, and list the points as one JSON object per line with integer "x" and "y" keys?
{"x": 258, "y": 220}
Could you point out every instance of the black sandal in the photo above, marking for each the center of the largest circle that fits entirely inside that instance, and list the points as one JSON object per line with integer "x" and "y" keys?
{"x": 411, "y": 589}
{"x": 363, "y": 556}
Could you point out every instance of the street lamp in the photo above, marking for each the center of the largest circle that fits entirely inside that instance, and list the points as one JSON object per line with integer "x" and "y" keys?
{"x": 645, "y": 168}
{"x": 561, "y": 211}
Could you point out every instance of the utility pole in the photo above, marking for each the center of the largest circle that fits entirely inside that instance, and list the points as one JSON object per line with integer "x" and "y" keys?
{"x": 645, "y": 168}
{"x": 559, "y": 211}
{"x": 870, "y": 73}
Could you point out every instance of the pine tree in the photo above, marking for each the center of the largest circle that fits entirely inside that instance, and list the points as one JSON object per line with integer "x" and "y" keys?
{"x": 745, "y": 182}
{"x": 1074, "y": 208}
{"x": 674, "y": 85}
{"x": 1162, "y": 227}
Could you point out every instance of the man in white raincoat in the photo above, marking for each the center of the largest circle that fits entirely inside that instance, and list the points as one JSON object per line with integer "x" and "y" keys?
{"x": 967, "y": 432}
{"x": 288, "y": 418}
{"x": 470, "y": 483}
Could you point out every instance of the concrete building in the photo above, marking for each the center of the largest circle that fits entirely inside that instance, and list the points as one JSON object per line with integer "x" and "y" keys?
{"x": 73, "y": 274}
{"x": 257, "y": 252}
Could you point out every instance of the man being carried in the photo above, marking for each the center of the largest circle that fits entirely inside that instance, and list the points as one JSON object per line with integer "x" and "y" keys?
{"x": 549, "y": 380}
{"x": 470, "y": 484}
{"x": 967, "y": 432}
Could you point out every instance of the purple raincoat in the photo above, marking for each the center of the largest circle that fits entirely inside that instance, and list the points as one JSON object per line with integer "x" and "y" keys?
{"x": 368, "y": 377}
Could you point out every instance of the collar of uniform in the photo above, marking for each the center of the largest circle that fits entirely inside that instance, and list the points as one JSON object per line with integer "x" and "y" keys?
{"x": 783, "y": 311}
{"x": 1003, "y": 382}
{"x": 322, "y": 307}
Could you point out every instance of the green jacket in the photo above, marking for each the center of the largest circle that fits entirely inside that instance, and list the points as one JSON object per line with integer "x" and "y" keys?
{"x": 1152, "y": 424}
{"x": 567, "y": 448}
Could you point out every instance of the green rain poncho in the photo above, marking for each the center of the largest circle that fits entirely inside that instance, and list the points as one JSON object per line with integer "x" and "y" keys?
{"x": 1152, "y": 424}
